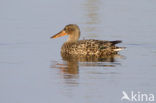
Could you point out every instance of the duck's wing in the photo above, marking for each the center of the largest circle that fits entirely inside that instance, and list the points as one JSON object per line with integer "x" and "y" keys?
{"x": 90, "y": 46}
{"x": 94, "y": 46}
{"x": 100, "y": 44}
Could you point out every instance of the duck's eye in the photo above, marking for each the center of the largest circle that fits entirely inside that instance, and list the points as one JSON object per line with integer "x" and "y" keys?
{"x": 70, "y": 29}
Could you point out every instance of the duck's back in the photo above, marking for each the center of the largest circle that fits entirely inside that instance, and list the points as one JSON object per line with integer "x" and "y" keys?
{"x": 91, "y": 47}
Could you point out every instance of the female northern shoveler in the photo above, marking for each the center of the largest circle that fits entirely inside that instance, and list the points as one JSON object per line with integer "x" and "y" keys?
{"x": 74, "y": 46}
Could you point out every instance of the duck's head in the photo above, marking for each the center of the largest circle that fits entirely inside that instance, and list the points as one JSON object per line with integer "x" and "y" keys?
{"x": 72, "y": 30}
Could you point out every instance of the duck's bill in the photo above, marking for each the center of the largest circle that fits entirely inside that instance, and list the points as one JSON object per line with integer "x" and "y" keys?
{"x": 62, "y": 33}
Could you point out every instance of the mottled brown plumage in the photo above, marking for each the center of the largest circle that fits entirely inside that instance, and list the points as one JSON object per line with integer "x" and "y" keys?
{"x": 73, "y": 46}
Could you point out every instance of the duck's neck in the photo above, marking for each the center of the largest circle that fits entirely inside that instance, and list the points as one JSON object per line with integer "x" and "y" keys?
{"x": 74, "y": 37}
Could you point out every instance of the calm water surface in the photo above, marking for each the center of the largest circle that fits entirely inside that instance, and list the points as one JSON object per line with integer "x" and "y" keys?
{"x": 33, "y": 71}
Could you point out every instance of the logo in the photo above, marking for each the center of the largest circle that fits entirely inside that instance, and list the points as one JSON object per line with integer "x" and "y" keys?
{"x": 137, "y": 97}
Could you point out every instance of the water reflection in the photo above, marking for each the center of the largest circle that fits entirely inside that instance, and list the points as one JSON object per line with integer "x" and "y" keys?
{"x": 91, "y": 8}
{"x": 68, "y": 68}
{"x": 71, "y": 63}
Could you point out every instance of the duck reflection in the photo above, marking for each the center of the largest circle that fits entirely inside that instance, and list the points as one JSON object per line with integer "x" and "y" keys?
{"x": 71, "y": 63}
{"x": 69, "y": 69}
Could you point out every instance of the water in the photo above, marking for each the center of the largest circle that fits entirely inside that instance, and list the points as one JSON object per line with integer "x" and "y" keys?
{"x": 33, "y": 71}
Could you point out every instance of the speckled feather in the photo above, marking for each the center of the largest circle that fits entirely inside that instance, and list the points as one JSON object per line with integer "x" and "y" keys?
{"x": 90, "y": 47}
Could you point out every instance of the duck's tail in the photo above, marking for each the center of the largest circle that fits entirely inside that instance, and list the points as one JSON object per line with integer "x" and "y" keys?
{"x": 119, "y": 49}
{"x": 115, "y": 42}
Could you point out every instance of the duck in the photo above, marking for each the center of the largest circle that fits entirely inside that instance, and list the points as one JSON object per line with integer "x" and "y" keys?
{"x": 89, "y": 47}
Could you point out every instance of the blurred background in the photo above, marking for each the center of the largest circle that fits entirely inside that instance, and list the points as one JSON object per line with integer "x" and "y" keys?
{"x": 33, "y": 71}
